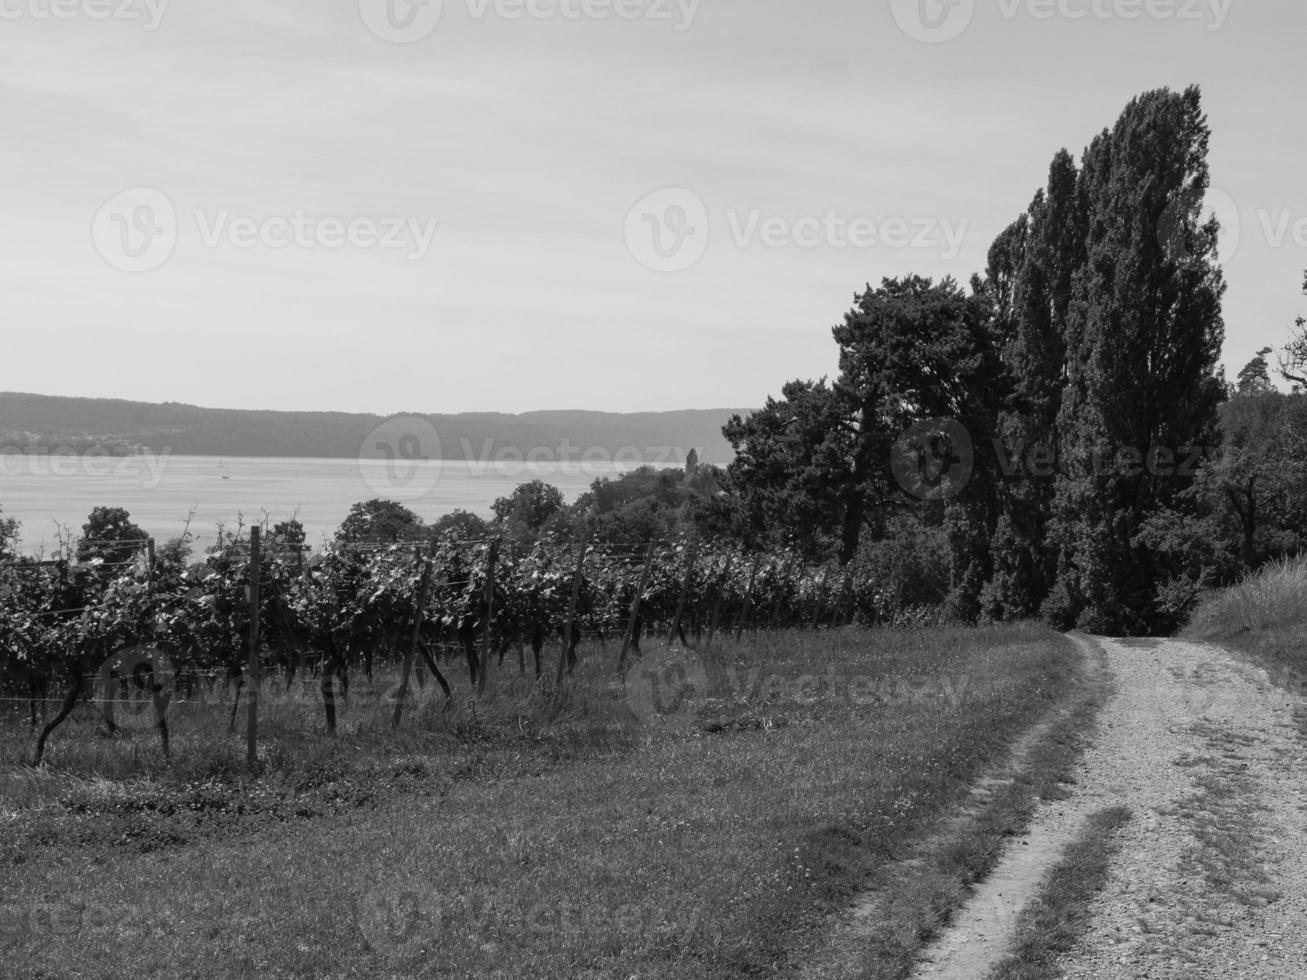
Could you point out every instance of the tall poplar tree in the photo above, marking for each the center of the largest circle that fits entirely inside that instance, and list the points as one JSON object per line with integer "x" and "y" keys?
{"x": 1032, "y": 268}
{"x": 1143, "y": 336}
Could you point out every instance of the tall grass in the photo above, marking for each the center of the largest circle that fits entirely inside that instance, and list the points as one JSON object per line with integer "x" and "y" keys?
{"x": 1264, "y": 617}
{"x": 1271, "y": 597}
{"x": 584, "y": 717}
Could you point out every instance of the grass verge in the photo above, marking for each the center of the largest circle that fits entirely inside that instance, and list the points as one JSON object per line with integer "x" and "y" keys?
{"x": 1263, "y": 617}
{"x": 1059, "y": 914}
{"x": 908, "y": 903}
{"x": 591, "y": 845}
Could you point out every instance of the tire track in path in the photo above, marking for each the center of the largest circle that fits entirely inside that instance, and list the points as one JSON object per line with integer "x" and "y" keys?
{"x": 913, "y": 883}
{"x": 1211, "y": 877}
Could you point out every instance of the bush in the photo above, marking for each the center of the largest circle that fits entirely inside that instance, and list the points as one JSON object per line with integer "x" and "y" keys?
{"x": 907, "y": 569}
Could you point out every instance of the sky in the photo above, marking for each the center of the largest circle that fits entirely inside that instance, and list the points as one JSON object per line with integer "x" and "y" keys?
{"x": 619, "y": 205}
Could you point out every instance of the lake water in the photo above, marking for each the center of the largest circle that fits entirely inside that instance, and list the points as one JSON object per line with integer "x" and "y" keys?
{"x": 46, "y": 493}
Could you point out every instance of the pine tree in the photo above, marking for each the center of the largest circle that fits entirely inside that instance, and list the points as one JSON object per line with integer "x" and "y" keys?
{"x": 914, "y": 351}
{"x": 1255, "y": 378}
{"x": 797, "y": 469}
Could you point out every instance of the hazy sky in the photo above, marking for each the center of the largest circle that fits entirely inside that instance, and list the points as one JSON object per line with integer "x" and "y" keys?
{"x": 352, "y": 204}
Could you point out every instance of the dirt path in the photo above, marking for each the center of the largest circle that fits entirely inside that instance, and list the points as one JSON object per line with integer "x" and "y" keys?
{"x": 1211, "y": 878}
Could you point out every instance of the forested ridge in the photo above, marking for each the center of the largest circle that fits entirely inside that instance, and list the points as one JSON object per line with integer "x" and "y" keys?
{"x": 44, "y": 424}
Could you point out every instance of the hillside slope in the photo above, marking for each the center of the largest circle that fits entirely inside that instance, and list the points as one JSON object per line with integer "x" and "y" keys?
{"x": 42, "y": 423}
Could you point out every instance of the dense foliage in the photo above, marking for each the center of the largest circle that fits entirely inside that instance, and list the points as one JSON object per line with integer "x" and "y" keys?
{"x": 360, "y": 604}
{"x": 1061, "y": 434}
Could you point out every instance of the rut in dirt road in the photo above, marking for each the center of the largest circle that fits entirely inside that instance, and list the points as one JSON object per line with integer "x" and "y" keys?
{"x": 1211, "y": 877}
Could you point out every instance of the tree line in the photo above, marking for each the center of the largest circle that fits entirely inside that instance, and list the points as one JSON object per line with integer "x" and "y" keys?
{"x": 1058, "y": 439}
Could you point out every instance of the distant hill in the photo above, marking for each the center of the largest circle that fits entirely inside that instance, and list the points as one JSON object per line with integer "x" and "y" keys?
{"x": 43, "y": 423}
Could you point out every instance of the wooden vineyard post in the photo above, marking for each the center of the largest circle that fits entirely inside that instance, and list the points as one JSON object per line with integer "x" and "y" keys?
{"x": 748, "y": 599}
{"x": 252, "y": 668}
{"x": 521, "y": 643}
{"x": 721, "y": 598}
{"x": 419, "y": 610}
{"x": 845, "y": 595}
{"x": 160, "y": 695}
{"x": 690, "y": 560}
{"x": 635, "y": 607}
{"x": 563, "y": 665}
{"x": 773, "y": 620}
{"x": 821, "y": 593}
{"x": 489, "y": 600}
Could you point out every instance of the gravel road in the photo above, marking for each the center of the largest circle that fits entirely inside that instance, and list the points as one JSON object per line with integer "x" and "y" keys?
{"x": 1211, "y": 877}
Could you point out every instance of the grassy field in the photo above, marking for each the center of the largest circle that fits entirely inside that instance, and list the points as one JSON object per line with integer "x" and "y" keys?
{"x": 532, "y": 836}
{"x": 1264, "y": 617}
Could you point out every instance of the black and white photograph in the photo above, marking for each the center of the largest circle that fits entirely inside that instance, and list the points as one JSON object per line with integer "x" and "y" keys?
{"x": 653, "y": 490}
